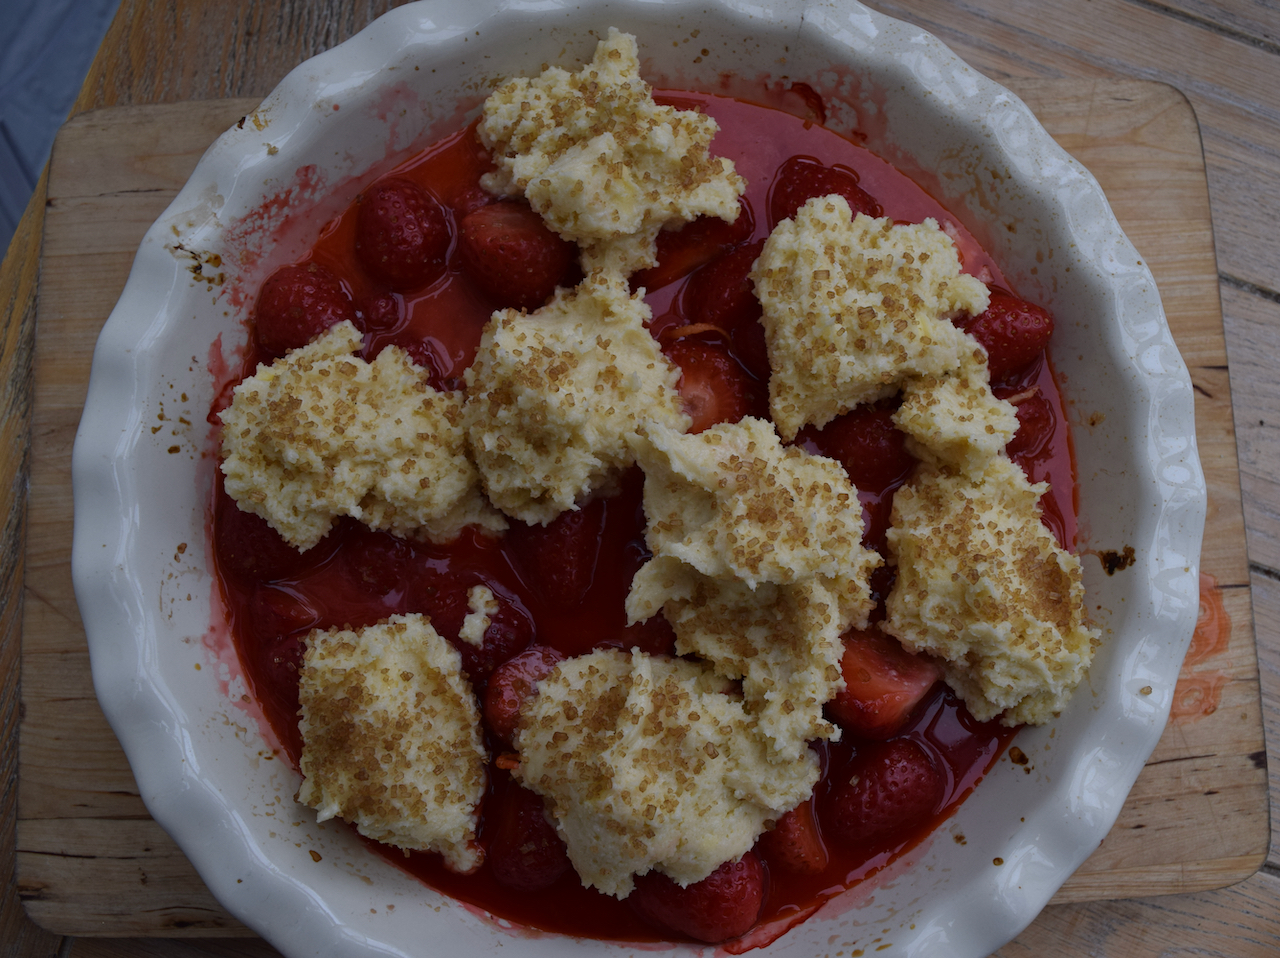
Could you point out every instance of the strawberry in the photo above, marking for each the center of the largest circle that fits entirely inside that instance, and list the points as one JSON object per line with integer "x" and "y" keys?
{"x": 865, "y": 441}
{"x": 1012, "y": 331}
{"x": 297, "y": 304}
{"x": 682, "y": 251}
{"x": 512, "y": 683}
{"x": 402, "y": 234}
{"x": 795, "y": 843}
{"x": 714, "y": 386}
{"x": 249, "y": 548}
{"x": 381, "y": 312}
{"x": 524, "y": 851}
{"x": 510, "y": 631}
{"x": 1036, "y": 422}
{"x": 721, "y": 294}
{"x": 376, "y": 562}
{"x": 277, "y": 612}
{"x": 802, "y": 177}
{"x": 723, "y": 905}
{"x": 558, "y": 560}
{"x": 509, "y": 254}
{"x": 888, "y": 790}
{"x": 883, "y": 684}
{"x": 444, "y": 597}
{"x": 429, "y": 355}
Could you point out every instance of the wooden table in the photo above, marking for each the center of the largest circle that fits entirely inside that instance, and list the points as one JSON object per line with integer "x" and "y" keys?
{"x": 1224, "y": 58}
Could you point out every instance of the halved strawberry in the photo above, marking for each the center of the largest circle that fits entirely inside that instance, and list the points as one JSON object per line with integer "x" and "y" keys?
{"x": 524, "y": 851}
{"x": 511, "y": 256}
{"x": 883, "y": 684}
{"x": 889, "y": 789}
{"x": 682, "y": 251}
{"x": 1013, "y": 332}
{"x": 795, "y": 843}
{"x": 714, "y": 386}
{"x": 512, "y": 683}
{"x": 723, "y": 905}
{"x": 802, "y": 177}
{"x": 402, "y": 234}
{"x": 297, "y": 304}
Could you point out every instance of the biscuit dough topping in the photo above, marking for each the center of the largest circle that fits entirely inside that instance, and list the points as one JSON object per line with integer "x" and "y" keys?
{"x": 392, "y": 737}
{"x": 853, "y": 306}
{"x": 650, "y": 762}
{"x": 758, "y": 564}
{"x": 983, "y": 586}
{"x": 782, "y": 641}
{"x": 321, "y": 433}
{"x": 734, "y": 503}
{"x": 955, "y": 419}
{"x": 556, "y": 396}
{"x": 606, "y": 166}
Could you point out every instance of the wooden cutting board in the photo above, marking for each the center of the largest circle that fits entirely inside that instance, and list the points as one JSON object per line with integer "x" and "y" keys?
{"x": 90, "y": 861}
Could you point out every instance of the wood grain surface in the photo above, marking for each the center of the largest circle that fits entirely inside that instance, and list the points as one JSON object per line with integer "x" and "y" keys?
{"x": 1223, "y": 56}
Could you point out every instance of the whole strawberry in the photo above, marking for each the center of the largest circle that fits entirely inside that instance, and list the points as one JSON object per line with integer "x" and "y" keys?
{"x": 866, "y": 442}
{"x": 509, "y": 253}
{"x": 559, "y": 559}
{"x": 721, "y": 294}
{"x": 525, "y": 852}
{"x": 723, "y": 905}
{"x": 402, "y": 234}
{"x": 296, "y": 304}
{"x": 1036, "y": 423}
{"x": 802, "y": 177}
{"x": 889, "y": 790}
{"x": 795, "y": 842}
{"x": 714, "y": 386}
{"x": 513, "y": 683}
{"x": 1012, "y": 331}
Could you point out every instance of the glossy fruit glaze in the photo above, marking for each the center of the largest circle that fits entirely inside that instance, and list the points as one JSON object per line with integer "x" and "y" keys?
{"x": 356, "y": 577}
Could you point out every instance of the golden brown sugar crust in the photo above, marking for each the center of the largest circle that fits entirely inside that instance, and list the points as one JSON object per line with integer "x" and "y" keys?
{"x": 554, "y": 397}
{"x": 955, "y": 419}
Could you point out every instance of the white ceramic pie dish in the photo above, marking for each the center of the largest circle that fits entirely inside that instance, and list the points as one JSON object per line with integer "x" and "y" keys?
{"x": 163, "y": 671}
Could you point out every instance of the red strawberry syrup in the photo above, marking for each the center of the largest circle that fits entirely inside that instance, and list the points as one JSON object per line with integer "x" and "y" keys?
{"x": 356, "y": 578}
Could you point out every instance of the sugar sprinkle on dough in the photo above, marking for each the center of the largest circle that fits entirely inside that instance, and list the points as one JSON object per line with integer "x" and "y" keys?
{"x": 391, "y": 738}
{"x": 606, "y": 166}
